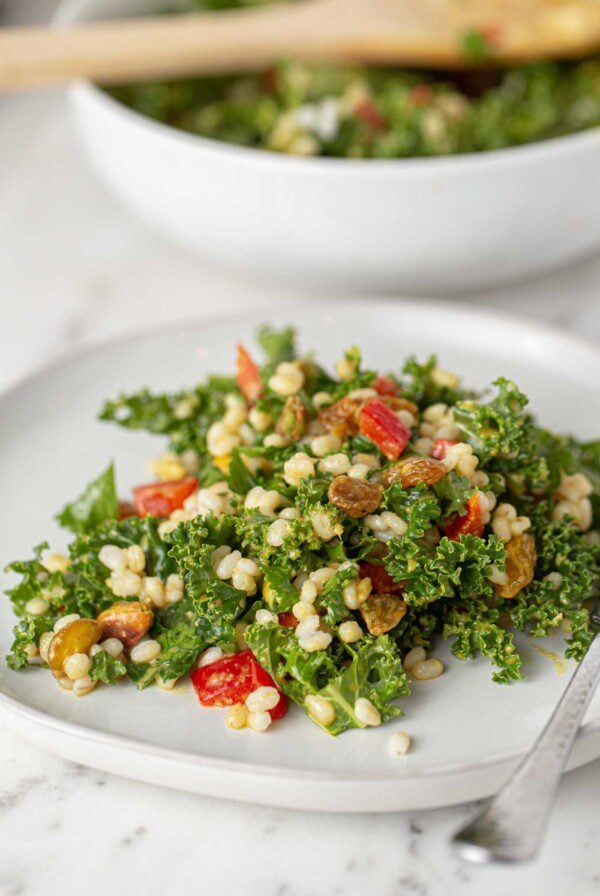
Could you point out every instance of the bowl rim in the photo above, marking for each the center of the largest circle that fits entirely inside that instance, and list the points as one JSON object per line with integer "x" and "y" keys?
{"x": 68, "y": 12}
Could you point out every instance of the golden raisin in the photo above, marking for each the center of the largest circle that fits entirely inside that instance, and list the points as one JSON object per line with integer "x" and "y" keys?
{"x": 521, "y": 557}
{"x": 356, "y": 497}
{"x": 292, "y": 420}
{"x": 126, "y": 620}
{"x": 341, "y": 418}
{"x": 382, "y": 612}
{"x": 77, "y": 637}
{"x": 397, "y": 403}
{"x": 411, "y": 470}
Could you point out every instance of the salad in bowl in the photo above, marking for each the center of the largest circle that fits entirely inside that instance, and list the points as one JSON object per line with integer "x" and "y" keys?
{"x": 309, "y": 537}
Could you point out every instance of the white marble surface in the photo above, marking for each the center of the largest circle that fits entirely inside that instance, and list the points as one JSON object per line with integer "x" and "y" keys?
{"x": 75, "y": 267}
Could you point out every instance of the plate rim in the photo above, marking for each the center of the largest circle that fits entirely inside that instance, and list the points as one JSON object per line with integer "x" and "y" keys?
{"x": 11, "y": 706}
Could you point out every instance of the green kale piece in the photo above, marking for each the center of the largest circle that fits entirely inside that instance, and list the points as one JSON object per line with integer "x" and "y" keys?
{"x": 97, "y": 504}
{"x": 183, "y": 630}
{"x": 87, "y": 575}
{"x": 419, "y": 385}
{"x": 567, "y": 455}
{"x": 183, "y": 416}
{"x": 453, "y": 492}
{"x": 331, "y": 597}
{"x": 416, "y": 506}
{"x": 298, "y": 550}
{"x": 106, "y": 668}
{"x": 417, "y": 628}
{"x": 278, "y": 345}
{"x": 545, "y": 603}
{"x": 280, "y": 594}
{"x": 450, "y": 569}
{"x": 240, "y": 479}
{"x": 36, "y": 581}
{"x": 504, "y": 436}
{"x": 371, "y": 668}
{"x": 474, "y": 627}
{"x": 27, "y": 631}
{"x": 376, "y": 673}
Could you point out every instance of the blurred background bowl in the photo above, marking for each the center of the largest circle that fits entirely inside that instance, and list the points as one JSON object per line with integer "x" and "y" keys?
{"x": 427, "y": 224}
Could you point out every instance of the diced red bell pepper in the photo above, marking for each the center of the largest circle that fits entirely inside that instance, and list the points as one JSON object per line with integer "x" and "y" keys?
{"x": 162, "y": 498}
{"x": 380, "y": 424}
{"x": 381, "y": 580}
{"x": 370, "y": 114}
{"x": 288, "y": 620}
{"x": 247, "y": 375}
{"x": 383, "y": 385}
{"x": 231, "y": 680}
{"x": 471, "y": 523}
{"x": 440, "y": 447}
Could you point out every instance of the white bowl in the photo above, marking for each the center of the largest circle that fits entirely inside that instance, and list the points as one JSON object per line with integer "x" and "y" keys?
{"x": 417, "y": 224}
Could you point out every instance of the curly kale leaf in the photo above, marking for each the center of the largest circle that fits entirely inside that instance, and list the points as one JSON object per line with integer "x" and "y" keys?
{"x": 331, "y": 598}
{"x": 504, "y": 435}
{"x": 296, "y": 552}
{"x": 546, "y": 603}
{"x": 241, "y": 480}
{"x": 87, "y": 575}
{"x": 420, "y": 386}
{"x": 184, "y": 416}
{"x": 474, "y": 628}
{"x": 371, "y": 668}
{"x": 106, "y": 668}
{"x": 36, "y": 581}
{"x": 417, "y": 628}
{"x": 450, "y": 569}
{"x": 277, "y": 345}
{"x": 278, "y": 592}
{"x": 28, "y": 631}
{"x": 183, "y": 630}
{"x": 565, "y": 454}
{"x": 453, "y": 492}
{"x": 416, "y": 506}
{"x": 98, "y": 504}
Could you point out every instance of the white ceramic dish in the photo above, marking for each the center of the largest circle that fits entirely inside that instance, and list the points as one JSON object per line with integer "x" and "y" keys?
{"x": 468, "y": 732}
{"x": 416, "y": 224}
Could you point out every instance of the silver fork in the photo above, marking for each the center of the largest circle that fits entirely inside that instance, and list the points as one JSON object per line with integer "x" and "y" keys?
{"x": 511, "y": 825}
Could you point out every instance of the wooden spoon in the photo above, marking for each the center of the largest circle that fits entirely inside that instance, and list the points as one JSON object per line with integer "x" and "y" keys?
{"x": 418, "y": 33}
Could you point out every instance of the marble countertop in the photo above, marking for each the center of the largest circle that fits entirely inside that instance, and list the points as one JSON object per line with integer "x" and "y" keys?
{"x": 76, "y": 267}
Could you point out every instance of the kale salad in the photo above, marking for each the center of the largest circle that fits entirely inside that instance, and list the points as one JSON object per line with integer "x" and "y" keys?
{"x": 311, "y": 536}
{"x": 355, "y": 112}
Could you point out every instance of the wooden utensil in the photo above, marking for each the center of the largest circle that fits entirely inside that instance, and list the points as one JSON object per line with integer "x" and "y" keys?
{"x": 417, "y": 33}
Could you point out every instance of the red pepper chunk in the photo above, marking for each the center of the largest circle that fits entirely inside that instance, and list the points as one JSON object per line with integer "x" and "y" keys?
{"x": 440, "y": 447}
{"x": 469, "y": 524}
{"x": 383, "y": 385}
{"x": 162, "y": 498}
{"x": 380, "y": 424}
{"x": 231, "y": 680}
{"x": 247, "y": 375}
{"x": 381, "y": 580}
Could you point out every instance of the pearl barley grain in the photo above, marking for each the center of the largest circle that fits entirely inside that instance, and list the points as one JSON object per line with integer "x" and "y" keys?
{"x": 263, "y": 699}
{"x": 398, "y": 743}
{"x": 320, "y": 709}
{"x": 366, "y": 712}
{"x": 145, "y": 651}
{"x": 258, "y": 721}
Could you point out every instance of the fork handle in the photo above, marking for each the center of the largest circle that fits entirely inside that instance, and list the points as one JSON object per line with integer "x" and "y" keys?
{"x": 511, "y": 825}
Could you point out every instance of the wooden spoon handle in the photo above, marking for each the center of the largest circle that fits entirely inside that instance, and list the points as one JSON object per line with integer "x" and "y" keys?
{"x": 170, "y": 46}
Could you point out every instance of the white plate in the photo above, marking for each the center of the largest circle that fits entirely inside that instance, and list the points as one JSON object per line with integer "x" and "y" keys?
{"x": 468, "y": 732}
